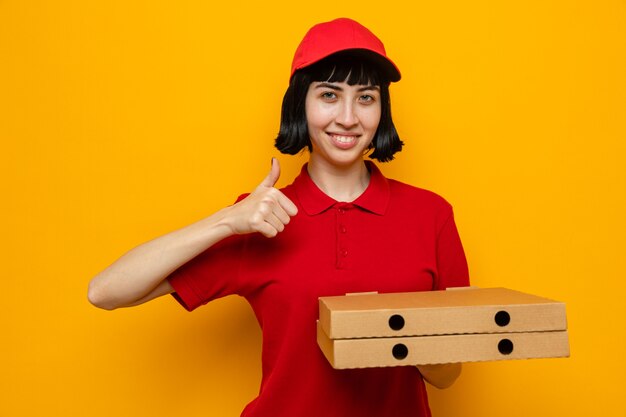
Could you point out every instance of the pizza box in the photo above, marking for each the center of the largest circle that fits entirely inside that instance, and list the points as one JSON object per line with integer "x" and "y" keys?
{"x": 425, "y": 350}
{"x": 458, "y": 311}
{"x": 433, "y": 327}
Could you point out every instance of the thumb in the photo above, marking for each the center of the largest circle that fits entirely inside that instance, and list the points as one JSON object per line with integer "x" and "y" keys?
{"x": 274, "y": 174}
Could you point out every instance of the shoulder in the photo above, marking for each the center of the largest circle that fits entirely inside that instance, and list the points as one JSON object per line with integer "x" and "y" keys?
{"x": 418, "y": 206}
{"x": 411, "y": 197}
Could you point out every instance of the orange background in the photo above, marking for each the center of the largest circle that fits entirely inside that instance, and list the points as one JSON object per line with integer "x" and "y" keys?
{"x": 121, "y": 121}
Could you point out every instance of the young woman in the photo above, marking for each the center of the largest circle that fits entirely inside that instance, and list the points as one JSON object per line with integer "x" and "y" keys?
{"x": 340, "y": 227}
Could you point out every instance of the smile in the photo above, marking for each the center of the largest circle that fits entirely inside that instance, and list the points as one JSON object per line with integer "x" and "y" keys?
{"x": 343, "y": 141}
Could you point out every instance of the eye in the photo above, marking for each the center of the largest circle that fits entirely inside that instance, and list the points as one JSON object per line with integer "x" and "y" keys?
{"x": 328, "y": 95}
{"x": 366, "y": 98}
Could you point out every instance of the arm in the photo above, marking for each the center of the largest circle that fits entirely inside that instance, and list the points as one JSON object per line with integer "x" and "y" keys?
{"x": 440, "y": 375}
{"x": 140, "y": 274}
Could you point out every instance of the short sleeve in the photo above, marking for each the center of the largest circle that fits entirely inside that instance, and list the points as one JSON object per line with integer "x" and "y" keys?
{"x": 212, "y": 274}
{"x": 452, "y": 270}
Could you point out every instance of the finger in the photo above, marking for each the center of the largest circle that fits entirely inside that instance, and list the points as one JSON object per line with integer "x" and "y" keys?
{"x": 275, "y": 222}
{"x": 287, "y": 205}
{"x": 266, "y": 222}
{"x": 281, "y": 214}
{"x": 273, "y": 175}
{"x": 267, "y": 230}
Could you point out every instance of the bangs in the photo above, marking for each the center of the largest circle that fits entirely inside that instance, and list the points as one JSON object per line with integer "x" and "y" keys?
{"x": 350, "y": 69}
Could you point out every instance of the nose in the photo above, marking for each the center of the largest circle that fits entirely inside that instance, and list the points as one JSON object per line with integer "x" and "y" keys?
{"x": 346, "y": 115}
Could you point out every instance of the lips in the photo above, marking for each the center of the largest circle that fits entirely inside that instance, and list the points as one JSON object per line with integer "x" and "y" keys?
{"x": 343, "y": 141}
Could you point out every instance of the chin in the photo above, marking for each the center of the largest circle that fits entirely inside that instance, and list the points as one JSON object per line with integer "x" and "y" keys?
{"x": 346, "y": 162}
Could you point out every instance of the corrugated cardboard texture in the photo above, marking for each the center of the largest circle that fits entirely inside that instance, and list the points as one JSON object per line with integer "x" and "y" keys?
{"x": 473, "y": 310}
{"x": 423, "y": 350}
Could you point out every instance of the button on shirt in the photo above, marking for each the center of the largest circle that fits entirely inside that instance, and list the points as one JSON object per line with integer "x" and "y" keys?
{"x": 392, "y": 238}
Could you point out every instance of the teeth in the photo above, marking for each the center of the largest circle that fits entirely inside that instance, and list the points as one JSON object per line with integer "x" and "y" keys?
{"x": 344, "y": 139}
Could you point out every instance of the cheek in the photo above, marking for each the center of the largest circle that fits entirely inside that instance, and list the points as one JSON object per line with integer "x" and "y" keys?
{"x": 371, "y": 118}
{"x": 316, "y": 117}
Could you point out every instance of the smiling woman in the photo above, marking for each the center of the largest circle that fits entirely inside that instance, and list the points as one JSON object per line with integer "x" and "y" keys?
{"x": 341, "y": 121}
{"x": 353, "y": 67}
{"x": 340, "y": 227}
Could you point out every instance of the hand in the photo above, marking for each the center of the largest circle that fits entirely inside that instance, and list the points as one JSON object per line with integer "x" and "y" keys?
{"x": 266, "y": 210}
{"x": 441, "y": 375}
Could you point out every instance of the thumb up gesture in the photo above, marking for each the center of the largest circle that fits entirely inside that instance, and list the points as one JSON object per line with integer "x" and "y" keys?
{"x": 266, "y": 210}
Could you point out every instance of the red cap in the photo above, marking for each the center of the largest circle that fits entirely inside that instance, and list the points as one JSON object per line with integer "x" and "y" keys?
{"x": 325, "y": 39}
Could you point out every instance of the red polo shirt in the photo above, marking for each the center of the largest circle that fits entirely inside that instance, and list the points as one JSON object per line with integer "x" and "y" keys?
{"x": 393, "y": 238}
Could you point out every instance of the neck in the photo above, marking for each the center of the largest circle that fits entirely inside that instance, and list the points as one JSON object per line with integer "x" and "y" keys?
{"x": 341, "y": 183}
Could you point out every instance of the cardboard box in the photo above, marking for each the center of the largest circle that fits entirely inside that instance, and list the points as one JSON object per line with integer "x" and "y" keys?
{"x": 472, "y": 310}
{"x": 423, "y": 350}
{"x": 466, "y": 325}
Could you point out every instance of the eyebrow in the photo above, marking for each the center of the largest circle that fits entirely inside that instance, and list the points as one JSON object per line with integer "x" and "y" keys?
{"x": 338, "y": 88}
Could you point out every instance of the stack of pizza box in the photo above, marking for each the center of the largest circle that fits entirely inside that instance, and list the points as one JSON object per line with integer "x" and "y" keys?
{"x": 434, "y": 327}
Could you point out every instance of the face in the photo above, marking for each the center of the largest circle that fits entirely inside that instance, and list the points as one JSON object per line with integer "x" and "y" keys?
{"x": 342, "y": 120}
